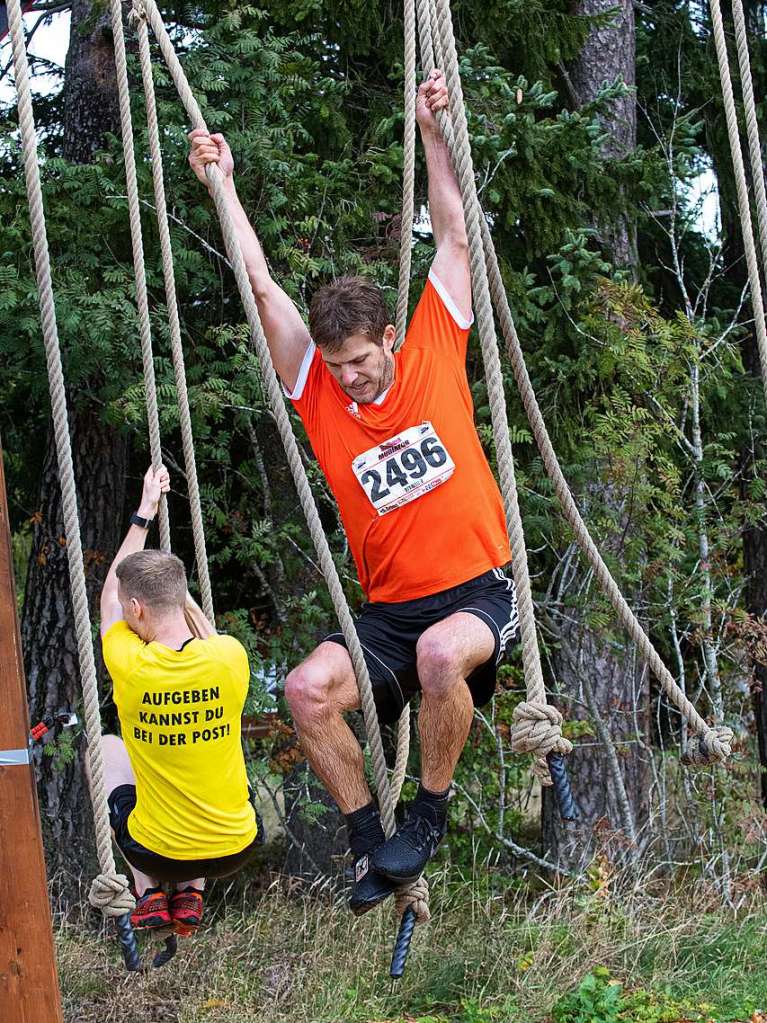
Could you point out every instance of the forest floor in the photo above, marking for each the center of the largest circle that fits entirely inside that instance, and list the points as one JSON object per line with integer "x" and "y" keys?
{"x": 272, "y": 953}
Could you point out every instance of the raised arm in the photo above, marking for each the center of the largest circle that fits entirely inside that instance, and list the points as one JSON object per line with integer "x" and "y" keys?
{"x": 284, "y": 327}
{"x": 155, "y": 484}
{"x": 451, "y": 263}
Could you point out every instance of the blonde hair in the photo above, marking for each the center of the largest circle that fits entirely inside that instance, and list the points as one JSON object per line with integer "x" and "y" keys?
{"x": 154, "y": 578}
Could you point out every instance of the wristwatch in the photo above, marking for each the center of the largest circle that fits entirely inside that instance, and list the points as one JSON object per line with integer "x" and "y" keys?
{"x": 137, "y": 520}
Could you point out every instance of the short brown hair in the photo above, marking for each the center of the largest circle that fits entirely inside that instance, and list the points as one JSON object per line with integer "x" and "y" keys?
{"x": 350, "y": 305}
{"x": 155, "y": 578}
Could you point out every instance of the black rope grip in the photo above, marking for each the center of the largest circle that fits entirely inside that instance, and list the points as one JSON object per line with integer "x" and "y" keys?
{"x": 568, "y": 810}
{"x": 166, "y": 954}
{"x": 402, "y": 944}
{"x": 128, "y": 943}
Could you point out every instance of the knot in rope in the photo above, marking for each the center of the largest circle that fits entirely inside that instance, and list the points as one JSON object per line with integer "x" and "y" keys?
{"x": 712, "y": 748}
{"x": 415, "y": 895}
{"x": 111, "y": 894}
{"x": 537, "y": 729}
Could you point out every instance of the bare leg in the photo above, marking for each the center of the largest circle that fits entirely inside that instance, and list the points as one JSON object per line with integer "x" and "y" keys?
{"x": 118, "y": 771}
{"x": 198, "y": 883}
{"x": 319, "y": 691}
{"x": 447, "y": 653}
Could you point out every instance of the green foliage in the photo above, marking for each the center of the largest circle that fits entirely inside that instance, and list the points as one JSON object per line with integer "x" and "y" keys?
{"x": 644, "y": 1006}
{"x": 62, "y": 749}
{"x": 597, "y": 999}
{"x": 601, "y": 999}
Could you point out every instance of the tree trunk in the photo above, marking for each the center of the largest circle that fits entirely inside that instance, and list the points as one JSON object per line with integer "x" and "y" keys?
{"x": 609, "y": 688}
{"x": 609, "y": 54}
{"x": 755, "y": 567}
{"x": 100, "y": 458}
{"x": 601, "y": 680}
{"x": 755, "y": 564}
{"x": 91, "y": 107}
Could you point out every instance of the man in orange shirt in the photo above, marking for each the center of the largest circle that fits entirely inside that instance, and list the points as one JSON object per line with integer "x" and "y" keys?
{"x": 395, "y": 436}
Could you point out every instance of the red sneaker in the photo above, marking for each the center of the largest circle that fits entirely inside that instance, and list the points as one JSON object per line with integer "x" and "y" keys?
{"x": 186, "y": 911}
{"x": 151, "y": 911}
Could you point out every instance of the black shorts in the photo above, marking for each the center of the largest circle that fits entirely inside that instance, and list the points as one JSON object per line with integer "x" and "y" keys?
{"x": 389, "y": 634}
{"x": 121, "y": 801}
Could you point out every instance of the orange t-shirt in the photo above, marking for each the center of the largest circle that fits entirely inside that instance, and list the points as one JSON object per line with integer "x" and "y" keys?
{"x": 415, "y": 524}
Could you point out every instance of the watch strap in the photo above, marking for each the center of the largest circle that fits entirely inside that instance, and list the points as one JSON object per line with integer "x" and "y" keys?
{"x": 138, "y": 520}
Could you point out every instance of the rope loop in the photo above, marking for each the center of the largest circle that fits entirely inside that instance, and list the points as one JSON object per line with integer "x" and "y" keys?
{"x": 537, "y": 729}
{"x": 415, "y": 895}
{"x": 111, "y": 894}
{"x": 712, "y": 748}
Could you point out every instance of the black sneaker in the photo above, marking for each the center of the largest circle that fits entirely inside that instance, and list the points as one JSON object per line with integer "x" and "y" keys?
{"x": 369, "y": 888}
{"x": 403, "y": 857}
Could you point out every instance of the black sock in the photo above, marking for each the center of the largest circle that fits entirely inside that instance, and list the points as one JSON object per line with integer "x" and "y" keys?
{"x": 432, "y": 805}
{"x": 365, "y": 829}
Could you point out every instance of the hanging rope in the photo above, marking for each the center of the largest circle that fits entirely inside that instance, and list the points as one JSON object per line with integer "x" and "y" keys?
{"x": 177, "y": 349}
{"x": 403, "y": 295}
{"x": 741, "y": 185}
{"x": 408, "y": 177}
{"x": 532, "y": 722}
{"x": 752, "y": 128}
{"x": 109, "y": 891}
{"x": 538, "y": 727}
{"x": 414, "y": 895}
{"x": 142, "y": 299}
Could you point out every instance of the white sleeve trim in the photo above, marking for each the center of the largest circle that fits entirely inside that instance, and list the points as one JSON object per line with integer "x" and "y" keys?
{"x": 449, "y": 304}
{"x": 303, "y": 374}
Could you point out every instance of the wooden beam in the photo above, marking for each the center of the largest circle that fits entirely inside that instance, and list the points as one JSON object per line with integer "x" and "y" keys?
{"x": 29, "y": 987}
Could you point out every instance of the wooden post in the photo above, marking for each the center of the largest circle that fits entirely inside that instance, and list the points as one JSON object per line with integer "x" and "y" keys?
{"x": 29, "y": 987}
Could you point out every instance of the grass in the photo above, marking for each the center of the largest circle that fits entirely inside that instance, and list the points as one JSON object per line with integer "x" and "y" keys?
{"x": 272, "y": 956}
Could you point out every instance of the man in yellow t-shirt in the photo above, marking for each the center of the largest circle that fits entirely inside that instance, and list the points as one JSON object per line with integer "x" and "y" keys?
{"x": 178, "y": 790}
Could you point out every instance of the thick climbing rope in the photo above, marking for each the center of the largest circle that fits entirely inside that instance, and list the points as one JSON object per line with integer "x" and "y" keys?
{"x": 531, "y": 723}
{"x": 540, "y": 730}
{"x": 537, "y": 724}
{"x": 177, "y": 349}
{"x": 741, "y": 184}
{"x": 752, "y": 129}
{"x": 408, "y": 177}
{"x": 139, "y": 268}
{"x": 109, "y": 891}
{"x": 403, "y": 296}
{"x": 416, "y": 895}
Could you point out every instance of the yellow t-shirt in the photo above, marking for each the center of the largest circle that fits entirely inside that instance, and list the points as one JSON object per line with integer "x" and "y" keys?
{"x": 180, "y": 714}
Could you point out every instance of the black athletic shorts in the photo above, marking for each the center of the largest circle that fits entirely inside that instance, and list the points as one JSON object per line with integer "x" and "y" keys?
{"x": 389, "y": 634}
{"x": 121, "y": 801}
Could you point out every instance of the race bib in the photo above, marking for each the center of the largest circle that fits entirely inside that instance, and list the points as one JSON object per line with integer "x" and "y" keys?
{"x": 403, "y": 468}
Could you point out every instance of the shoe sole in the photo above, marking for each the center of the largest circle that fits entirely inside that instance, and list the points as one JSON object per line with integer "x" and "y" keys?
{"x": 398, "y": 880}
{"x": 364, "y": 907}
{"x": 152, "y": 923}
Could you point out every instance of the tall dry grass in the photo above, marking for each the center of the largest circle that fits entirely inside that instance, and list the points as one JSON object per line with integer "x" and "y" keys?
{"x": 490, "y": 953}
